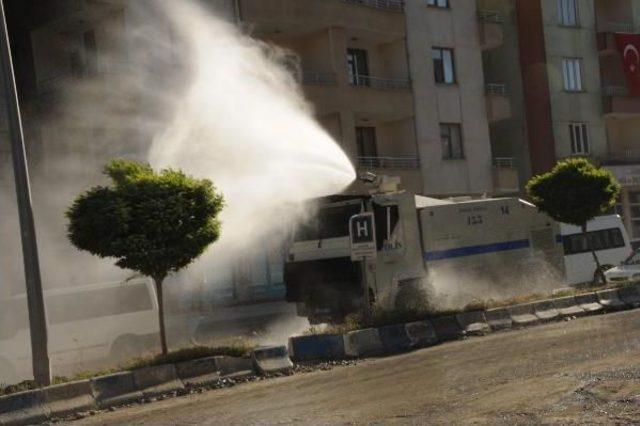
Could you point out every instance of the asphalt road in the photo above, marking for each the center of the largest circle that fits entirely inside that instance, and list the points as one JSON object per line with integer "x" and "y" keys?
{"x": 585, "y": 371}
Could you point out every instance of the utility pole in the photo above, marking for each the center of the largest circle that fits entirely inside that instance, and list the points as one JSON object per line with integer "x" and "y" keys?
{"x": 35, "y": 299}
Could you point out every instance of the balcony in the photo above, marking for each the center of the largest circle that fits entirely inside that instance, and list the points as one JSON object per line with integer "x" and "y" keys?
{"x": 385, "y": 98}
{"x": 378, "y": 19}
{"x": 407, "y": 168}
{"x": 398, "y": 163}
{"x": 380, "y": 83}
{"x": 621, "y": 157}
{"x": 498, "y": 102}
{"x": 616, "y": 101}
{"x": 389, "y": 5}
{"x": 490, "y": 26}
{"x": 505, "y": 175}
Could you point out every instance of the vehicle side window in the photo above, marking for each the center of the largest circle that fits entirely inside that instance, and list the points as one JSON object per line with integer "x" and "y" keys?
{"x": 604, "y": 239}
{"x": 98, "y": 303}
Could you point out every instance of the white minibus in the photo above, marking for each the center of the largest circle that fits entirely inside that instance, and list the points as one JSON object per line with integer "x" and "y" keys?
{"x": 606, "y": 234}
{"x": 86, "y": 325}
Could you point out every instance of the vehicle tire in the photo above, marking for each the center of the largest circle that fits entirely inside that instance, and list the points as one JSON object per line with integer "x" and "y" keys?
{"x": 412, "y": 297}
{"x": 8, "y": 374}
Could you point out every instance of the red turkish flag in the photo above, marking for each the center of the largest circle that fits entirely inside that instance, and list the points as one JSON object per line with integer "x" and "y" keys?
{"x": 629, "y": 47}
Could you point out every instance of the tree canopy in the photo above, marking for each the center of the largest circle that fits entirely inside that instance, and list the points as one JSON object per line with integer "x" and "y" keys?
{"x": 574, "y": 192}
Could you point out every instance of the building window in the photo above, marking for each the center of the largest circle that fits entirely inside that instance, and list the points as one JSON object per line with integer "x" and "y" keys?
{"x": 572, "y": 74}
{"x": 579, "y": 138}
{"x": 366, "y": 140}
{"x": 568, "y": 13}
{"x": 451, "y": 137}
{"x": 443, "y": 66}
{"x": 438, "y": 3}
{"x": 634, "y": 213}
{"x": 358, "y": 65}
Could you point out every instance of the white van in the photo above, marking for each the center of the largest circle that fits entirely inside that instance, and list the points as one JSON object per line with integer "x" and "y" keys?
{"x": 86, "y": 324}
{"x": 606, "y": 234}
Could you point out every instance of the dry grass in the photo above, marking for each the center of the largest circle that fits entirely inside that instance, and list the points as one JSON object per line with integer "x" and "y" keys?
{"x": 239, "y": 347}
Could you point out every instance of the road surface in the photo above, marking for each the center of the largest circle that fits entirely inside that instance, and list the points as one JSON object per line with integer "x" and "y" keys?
{"x": 585, "y": 371}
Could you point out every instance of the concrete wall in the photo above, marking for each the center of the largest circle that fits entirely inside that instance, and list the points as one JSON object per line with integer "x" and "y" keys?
{"x": 463, "y": 103}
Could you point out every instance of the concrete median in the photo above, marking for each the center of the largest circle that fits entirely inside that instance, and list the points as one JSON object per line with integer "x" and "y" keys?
{"x": 589, "y": 303}
{"x": 568, "y": 307}
{"x": 498, "y": 319}
{"x": 157, "y": 380}
{"x": 473, "y": 323}
{"x": 115, "y": 389}
{"x": 68, "y": 398}
{"x": 610, "y": 300}
{"x": 630, "y": 295}
{"x": 361, "y": 343}
{"x": 236, "y": 367}
{"x": 321, "y": 346}
{"x": 271, "y": 359}
{"x": 394, "y": 338}
{"x": 23, "y": 408}
{"x": 523, "y": 315}
{"x": 447, "y": 328}
{"x": 421, "y": 334}
{"x": 198, "y": 372}
{"x": 545, "y": 311}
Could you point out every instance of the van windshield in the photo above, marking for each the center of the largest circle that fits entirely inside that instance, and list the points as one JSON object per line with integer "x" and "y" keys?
{"x": 328, "y": 222}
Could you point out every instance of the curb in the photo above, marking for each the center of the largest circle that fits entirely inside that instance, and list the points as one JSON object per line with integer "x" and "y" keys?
{"x": 102, "y": 392}
{"x": 58, "y": 401}
{"x": 271, "y": 360}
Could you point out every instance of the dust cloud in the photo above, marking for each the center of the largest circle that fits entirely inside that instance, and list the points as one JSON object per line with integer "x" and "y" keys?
{"x": 176, "y": 86}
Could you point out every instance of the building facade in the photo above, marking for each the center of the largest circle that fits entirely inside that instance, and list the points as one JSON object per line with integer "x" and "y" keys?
{"x": 569, "y": 92}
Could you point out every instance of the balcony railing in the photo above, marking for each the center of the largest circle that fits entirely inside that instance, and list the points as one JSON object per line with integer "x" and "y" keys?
{"x": 496, "y": 89}
{"x": 490, "y": 16}
{"x": 380, "y": 83}
{"x": 615, "y": 27}
{"x": 406, "y": 163}
{"x": 615, "y": 91}
{"x": 319, "y": 78}
{"x": 391, "y": 5}
{"x": 506, "y": 162}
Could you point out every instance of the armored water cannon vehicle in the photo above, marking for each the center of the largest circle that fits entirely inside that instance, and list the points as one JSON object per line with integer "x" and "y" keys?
{"x": 495, "y": 238}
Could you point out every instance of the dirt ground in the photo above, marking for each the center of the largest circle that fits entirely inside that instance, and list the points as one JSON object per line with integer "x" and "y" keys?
{"x": 585, "y": 371}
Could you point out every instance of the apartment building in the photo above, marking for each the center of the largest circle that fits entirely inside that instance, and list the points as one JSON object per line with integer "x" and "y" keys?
{"x": 569, "y": 93}
{"x": 398, "y": 84}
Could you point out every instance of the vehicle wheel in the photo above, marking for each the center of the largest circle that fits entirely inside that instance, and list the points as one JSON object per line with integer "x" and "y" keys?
{"x": 8, "y": 375}
{"x": 412, "y": 297}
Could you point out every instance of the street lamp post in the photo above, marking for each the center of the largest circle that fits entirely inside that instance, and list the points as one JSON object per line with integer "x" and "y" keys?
{"x": 35, "y": 300}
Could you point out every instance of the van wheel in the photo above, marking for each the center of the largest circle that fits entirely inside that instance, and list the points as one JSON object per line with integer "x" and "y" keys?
{"x": 8, "y": 375}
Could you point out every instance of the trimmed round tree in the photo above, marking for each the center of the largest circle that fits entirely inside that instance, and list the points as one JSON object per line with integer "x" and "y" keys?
{"x": 574, "y": 192}
{"x": 152, "y": 223}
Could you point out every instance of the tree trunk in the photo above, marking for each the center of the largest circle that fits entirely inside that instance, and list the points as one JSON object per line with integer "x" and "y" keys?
{"x": 598, "y": 275}
{"x": 163, "y": 333}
